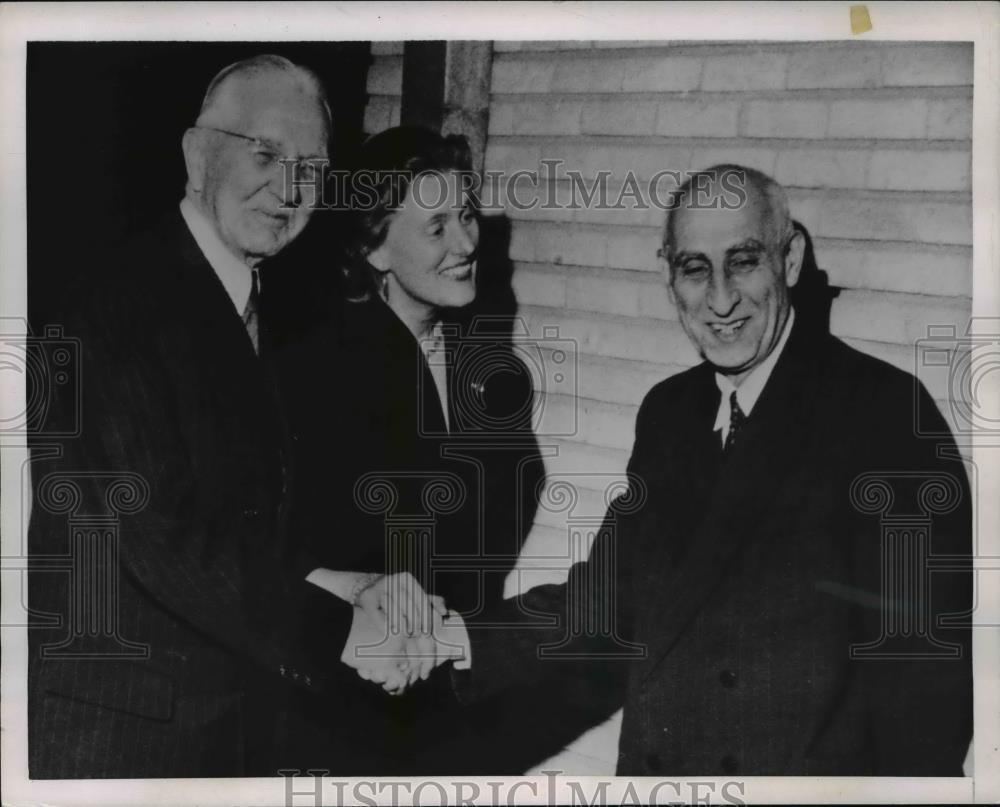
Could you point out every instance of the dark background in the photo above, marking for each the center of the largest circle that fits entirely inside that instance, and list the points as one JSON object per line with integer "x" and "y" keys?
{"x": 104, "y": 161}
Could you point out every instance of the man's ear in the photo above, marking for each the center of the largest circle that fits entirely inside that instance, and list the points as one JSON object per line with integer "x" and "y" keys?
{"x": 794, "y": 255}
{"x": 194, "y": 158}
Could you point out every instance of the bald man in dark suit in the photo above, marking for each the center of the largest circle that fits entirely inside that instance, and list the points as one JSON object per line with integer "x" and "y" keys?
{"x": 764, "y": 623}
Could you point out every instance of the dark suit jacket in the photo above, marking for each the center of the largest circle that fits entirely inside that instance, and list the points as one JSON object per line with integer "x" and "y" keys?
{"x": 362, "y": 402}
{"x": 747, "y": 578}
{"x": 208, "y": 590}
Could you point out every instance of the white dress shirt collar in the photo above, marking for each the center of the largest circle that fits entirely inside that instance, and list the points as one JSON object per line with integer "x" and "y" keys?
{"x": 236, "y": 277}
{"x": 749, "y": 391}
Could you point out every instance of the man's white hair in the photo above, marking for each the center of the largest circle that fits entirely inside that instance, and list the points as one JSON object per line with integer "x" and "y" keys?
{"x": 217, "y": 94}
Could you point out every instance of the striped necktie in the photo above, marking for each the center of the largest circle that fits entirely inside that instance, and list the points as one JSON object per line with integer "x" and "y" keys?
{"x": 250, "y": 314}
{"x": 736, "y": 421}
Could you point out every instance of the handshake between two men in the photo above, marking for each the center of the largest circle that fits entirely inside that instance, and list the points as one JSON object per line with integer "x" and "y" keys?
{"x": 399, "y": 633}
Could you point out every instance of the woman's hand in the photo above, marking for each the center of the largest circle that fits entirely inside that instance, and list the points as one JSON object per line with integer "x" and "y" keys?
{"x": 376, "y": 655}
{"x": 402, "y": 602}
{"x": 400, "y": 597}
{"x": 397, "y": 601}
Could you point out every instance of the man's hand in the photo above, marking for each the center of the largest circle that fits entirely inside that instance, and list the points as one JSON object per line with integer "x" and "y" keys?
{"x": 403, "y": 601}
{"x": 399, "y": 604}
{"x": 378, "y": 654}
{"x": 395, "y": 660}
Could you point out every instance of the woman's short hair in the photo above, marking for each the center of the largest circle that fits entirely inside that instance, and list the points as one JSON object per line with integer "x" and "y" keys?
{"x": 386, "y": 165}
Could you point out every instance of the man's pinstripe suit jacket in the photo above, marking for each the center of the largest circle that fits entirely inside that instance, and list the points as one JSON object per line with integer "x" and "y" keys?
{"x": 210, "y": 590}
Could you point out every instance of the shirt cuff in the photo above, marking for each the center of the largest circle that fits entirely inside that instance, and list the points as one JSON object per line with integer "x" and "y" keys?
{"x": 456, "y": 635}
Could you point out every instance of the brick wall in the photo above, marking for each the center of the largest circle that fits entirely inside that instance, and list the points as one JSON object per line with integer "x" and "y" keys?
{"x": 872, "y": 141}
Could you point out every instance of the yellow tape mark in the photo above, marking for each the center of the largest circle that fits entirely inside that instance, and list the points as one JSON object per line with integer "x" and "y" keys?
{"x": 861, "y": 21}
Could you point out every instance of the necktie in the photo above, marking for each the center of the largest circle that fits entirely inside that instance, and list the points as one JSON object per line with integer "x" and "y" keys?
{"x": 736, "y": 421}
{"x": 250, "y": 314}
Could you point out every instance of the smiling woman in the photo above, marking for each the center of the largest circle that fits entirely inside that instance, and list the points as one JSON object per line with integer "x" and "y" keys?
{"x": 414, "y": 218}
{"x": 415, "y": 247}
{"x": 394, "y": 389}
{"x": 427, "y": 262}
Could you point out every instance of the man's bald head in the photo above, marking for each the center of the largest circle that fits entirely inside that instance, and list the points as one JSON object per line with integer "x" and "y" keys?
{"x": 728, "y": 181}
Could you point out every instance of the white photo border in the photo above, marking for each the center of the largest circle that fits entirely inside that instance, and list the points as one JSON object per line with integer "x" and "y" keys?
{"x": 218, "y": 22}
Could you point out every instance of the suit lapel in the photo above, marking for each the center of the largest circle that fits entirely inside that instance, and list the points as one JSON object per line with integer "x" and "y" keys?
{"x": 687, "y": 464}
{"x": 394, "y": 371}
{"x": 240, "y": 382}
{"x": 219, "y": 334}
{"x": 770, "y": 444}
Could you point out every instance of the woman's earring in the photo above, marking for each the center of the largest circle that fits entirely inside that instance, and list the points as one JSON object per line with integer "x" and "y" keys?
{"x": 383, "y": 285}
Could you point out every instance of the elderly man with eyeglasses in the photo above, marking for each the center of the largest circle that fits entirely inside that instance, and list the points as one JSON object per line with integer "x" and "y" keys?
{"x": 207, "y": 593}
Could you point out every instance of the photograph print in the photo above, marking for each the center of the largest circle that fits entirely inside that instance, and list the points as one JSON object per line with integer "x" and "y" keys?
{"x": 438, "y": 408}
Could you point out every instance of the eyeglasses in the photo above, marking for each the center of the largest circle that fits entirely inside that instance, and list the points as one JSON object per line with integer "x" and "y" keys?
{"x": 266, "y": 156}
